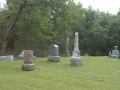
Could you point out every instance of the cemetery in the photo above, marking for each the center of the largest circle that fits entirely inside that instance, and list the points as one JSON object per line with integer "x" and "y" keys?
{"x": 58, "y": 45}
{"x": 85, "y": 72}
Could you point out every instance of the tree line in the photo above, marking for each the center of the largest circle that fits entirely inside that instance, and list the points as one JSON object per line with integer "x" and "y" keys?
{"x": 35, "y": 24}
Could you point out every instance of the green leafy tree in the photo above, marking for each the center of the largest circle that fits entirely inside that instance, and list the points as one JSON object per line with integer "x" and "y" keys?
{"x": 114, "y": 32}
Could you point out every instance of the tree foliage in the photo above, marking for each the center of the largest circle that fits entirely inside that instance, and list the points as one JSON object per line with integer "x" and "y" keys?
{"x": 35, "y": 24}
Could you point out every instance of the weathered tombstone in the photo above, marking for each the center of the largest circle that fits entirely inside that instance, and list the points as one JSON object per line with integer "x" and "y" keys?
{"x": 28, "y": 58}
{"x": 97, "y": 53}
{"x": 115, "y": 52}
{"x": 76, "y": 60}
{"x": 67, "y": 54}
{"x": 86, "y": 54}
{"x": 7, "y": 58}
{"x": 109, "y": 53}
{"x": 21, "y": 56}
{"x": 53, "y": 53}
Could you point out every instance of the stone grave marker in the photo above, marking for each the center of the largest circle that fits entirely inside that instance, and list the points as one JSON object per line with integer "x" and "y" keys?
{"x": 115, "y": 52}
{"x": 76, "y": 60}
{"x": 53, "y": 53}
{"x": 7, "y": 58}
{"x": 21, "y": 56}
{"x": 67, "y": 54}
{"x": 28, "y": 59}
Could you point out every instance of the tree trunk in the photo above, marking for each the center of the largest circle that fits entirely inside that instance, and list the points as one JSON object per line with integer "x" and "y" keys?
{"x": 3, "y": 49}
{"x": 10, "y": 28}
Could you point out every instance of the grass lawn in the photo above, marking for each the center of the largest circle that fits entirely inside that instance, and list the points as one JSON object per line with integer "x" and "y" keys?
{"x": 97, "y": 73}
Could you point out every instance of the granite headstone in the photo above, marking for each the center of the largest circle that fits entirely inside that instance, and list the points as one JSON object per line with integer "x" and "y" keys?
{"x": 67, "y": 54}
{"x": 21, "y": 56}
{"x": 53, "y": 53}
{"x": 115, "y": 52}
{"x": 28, "y": 59}
{"x": 7, "y": 58}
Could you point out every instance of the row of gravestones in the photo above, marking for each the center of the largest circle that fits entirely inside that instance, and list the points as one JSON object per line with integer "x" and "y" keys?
{"x": 11, "y": 57}
{"x": 52, "y": 47}
{"x": 54, "y": 55}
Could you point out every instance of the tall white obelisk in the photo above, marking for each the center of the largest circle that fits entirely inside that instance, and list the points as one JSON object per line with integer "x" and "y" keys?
{"x": 76, "y": 60}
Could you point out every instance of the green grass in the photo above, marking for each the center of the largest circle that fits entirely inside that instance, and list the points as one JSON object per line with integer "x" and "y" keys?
{"x": 97, "y": 73}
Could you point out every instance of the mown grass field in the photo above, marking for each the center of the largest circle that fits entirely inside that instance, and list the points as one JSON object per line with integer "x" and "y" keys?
{"x": 97, "y": 73}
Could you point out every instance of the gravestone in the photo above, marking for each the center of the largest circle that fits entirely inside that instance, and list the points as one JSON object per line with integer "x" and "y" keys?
{"x": 115, "y": 52}
{"x": 86, "y": 54}
{"x": 109, "y": 53}
{"x": 28, "y": 59}
{"x": 67, "y": 54}
{"x": 76, "y": 60}
{"x": 21, "y": 56}
{"x": 53, "y": 53}
{"x": 7, "y": 58}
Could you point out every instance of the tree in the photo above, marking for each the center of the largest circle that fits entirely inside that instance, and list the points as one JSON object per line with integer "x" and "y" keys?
{"x": 113, "y": 32}
{"x": 10, "y": 27}
{"x": 94, "y": 38}
{"x": 22, "y": 14}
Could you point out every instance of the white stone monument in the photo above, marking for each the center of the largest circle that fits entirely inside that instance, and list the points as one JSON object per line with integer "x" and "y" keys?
{"x": 76, "y": 60}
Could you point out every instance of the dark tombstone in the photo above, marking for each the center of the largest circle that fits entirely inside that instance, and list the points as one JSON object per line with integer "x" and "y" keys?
{"x": 28, "y": 58}
{"x": 53, "y": 53}
{"x": 76, "y": 60}
{"x": 67, "y": 54}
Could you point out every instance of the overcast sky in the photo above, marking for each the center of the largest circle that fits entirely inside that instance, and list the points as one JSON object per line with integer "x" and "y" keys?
{"x": 111, "y": 6}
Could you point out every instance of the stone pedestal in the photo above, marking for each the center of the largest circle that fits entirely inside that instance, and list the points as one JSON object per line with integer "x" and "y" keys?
{"x": 28, "y": 58}
{"x": 76, "y": 61}
{"x": 28, "y": 67}
{"x": 54, "y": 58}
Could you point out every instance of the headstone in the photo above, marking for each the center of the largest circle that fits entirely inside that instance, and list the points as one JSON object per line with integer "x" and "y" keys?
{"x": 86, "y": 54}
{"x": 53, "y": 53}
{"x": 7, "y": 58}
{"x": 97, "y": 53}
{"x": 21, "y": 56}
{"x": 109, "y": 53}
{"x": 28, "y": 58}
{"x": 76, "y": 60}
{"x": 115, "y": 52}
{"x": 67, "y": 54}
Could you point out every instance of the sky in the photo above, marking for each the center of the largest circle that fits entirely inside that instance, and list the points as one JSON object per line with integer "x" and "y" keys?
{"x": 111, "y": 6}
{"x": 1, "y": 3}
